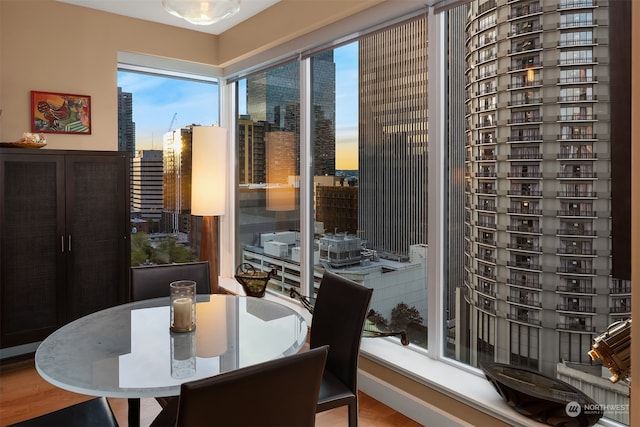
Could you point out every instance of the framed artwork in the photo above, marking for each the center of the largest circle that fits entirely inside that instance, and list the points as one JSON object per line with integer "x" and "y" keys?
{"x": 60, "y": 113}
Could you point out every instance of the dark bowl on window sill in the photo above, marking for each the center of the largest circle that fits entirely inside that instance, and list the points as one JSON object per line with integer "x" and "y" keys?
{"x": 542, "y": 398}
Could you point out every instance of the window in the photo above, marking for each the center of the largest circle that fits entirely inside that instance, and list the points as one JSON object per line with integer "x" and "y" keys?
{"x": 526, "y": 249}
{"x": 155, "y": 115}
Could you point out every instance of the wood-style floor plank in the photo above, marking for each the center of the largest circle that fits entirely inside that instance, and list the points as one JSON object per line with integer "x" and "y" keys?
{"x": 24, "y": 395}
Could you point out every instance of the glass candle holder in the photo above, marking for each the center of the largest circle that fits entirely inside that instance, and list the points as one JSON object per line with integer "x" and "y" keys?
{"x": 183, "y": 306}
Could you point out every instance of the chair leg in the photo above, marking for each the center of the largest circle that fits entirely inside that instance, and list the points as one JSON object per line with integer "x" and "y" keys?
{"x": 353, "y": 414}
{"x": 134, "y": 412}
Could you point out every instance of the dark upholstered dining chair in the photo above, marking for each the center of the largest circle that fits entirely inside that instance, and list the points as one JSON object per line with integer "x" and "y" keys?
{"x": 95, "y": 412}
{"x": 152, "y": 281}
{"x": 278, "y": 393}
{"x": 338, "y": 319}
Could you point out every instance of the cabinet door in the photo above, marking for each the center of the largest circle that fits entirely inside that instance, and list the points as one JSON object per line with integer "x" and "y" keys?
{"x": 31, "y": 252}
{"x": 97, "y": 224}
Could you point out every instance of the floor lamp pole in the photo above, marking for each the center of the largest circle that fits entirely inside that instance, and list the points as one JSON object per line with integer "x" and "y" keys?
{"x": 209, "y": 249}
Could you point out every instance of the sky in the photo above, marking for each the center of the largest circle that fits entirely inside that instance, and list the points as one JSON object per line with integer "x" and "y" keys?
{"x": 156, "y": 99}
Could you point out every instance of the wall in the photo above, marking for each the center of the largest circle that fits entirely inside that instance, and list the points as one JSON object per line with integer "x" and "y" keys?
{"x": 52, "y": 46}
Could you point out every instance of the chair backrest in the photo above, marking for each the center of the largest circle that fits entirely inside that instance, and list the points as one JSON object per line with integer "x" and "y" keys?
{"x": 338, "y": 319}
{"x": 281, "y": 392}
{"x": 152, "y": 281}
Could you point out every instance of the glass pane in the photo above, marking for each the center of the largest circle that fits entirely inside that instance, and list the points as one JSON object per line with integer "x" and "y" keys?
{"x": 370, "y": 208}
{"x": 530, "y": 281}
{"x": 269, "y": 173}
{"x": 155, "y": 116}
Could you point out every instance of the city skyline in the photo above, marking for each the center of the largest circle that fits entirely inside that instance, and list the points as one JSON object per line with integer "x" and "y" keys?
{"x": 157, "y": 98}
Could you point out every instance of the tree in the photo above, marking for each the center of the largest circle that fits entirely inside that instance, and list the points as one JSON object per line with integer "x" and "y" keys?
{"x": 402, "y": 315}
{"x": 169, "y": 251}
{"x": 377, "y": 319}
{"x": 141, "y": 248}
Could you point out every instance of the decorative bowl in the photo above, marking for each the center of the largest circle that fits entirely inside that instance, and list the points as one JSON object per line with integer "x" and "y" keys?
{"x": 253, "y": 281}
{"x": 542, "y": 398}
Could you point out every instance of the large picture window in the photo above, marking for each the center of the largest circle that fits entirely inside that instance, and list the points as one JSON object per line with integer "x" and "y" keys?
{"x": 526, "y": 249}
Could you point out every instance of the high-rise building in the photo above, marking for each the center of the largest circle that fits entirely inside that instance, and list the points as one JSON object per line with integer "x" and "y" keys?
{"x": 146, "y": 183}
{"x": 126, "y": 126}
{"x": 273, "y": 101}
{"x": 176, "y": 154}
{"x": 392, "y": 153}
{"x": 537, "y": 221}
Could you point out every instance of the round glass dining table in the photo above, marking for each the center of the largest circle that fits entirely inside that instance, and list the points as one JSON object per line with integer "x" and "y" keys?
{"x": 128, "y": 351}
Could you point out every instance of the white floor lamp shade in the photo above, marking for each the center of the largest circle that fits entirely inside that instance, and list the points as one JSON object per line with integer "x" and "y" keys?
{"x": 208, "y": 170}
{"x": 208, "y": 189}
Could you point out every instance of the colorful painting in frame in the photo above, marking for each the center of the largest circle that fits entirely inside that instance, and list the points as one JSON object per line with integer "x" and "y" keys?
{"x": 60, "y": 113}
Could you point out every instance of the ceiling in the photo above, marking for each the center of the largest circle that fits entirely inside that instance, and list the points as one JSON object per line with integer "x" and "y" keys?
{"x": 152, "y": 10}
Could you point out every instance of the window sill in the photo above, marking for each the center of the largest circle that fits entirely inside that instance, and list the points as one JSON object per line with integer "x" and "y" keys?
{"x": 467, "y": 387}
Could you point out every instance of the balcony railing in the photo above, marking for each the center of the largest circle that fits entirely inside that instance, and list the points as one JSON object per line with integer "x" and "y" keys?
{"x": 486, "y": 291}
{"x": 620, "y": 309}
{"x": 575, "y": 308}
{"x": 525, "y": 193}
{"x": 527, "y": 174}
{"x": 577, "y": 117}
{"x": 581, "y": 289}
{"x": 524, "y": 265}
{"x": 573, "y": 136}
{"x": 524, "y": 301}
{"x": 617, "y": 290}
{"x": 574, "y": 156}
{"x": 575, "y": 24}
{"x": 525, "y": 211}
{"x": 574, "y": 231}
{"x": 525, "y": 229}
{"x": 577, "y": 79}
{"x": 525, "y": 29}
{"x": 485, "y": 274}
{"x": 524, "y": 247}
{"x": 578, "y": 213}
{"x": 527, "y": 283}
{"x": 524, "y": 156}
{"x": 525, "y": 138}
{"x": 525, "y": 319}
{"x": 525, "y": 11}
{"x": 580, "y": 174}
{"x": 576, "y": 98}
{"x": 573, "y": 4}
{"x": 575, "y": 327}
{"x": 576, "y": 250}
{"x": 576, "y": 270}
{"x": 577, "y": 194}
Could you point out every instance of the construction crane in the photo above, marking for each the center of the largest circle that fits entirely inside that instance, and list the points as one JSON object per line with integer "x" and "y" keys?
{"x": 173, "y": 121}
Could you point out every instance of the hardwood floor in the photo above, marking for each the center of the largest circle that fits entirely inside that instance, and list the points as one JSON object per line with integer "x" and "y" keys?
{"x": 24, "y": 394}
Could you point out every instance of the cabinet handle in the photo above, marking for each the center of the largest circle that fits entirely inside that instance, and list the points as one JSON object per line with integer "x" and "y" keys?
{"x": 69, "y": 242}
{"x": 62, "y": 244}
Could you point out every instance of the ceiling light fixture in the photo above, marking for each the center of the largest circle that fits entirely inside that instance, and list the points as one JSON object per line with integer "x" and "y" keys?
{"x": 202, "y": 12}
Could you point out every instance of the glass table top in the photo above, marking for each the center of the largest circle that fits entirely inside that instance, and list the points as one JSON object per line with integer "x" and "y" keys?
{"x": 128, "y": 351}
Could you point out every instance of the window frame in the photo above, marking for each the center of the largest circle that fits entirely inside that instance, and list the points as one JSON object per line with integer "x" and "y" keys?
{"x": 431, "y": 368}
